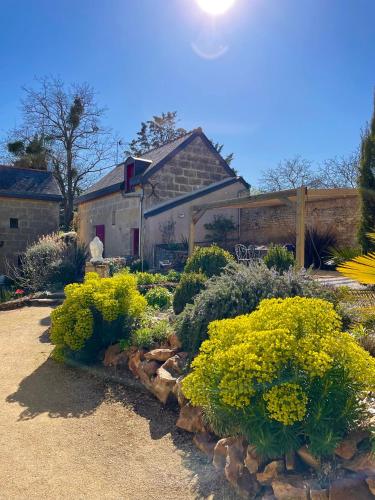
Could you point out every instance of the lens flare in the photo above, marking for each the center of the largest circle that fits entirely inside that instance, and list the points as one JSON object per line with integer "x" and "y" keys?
{"x": 215, "y": 7}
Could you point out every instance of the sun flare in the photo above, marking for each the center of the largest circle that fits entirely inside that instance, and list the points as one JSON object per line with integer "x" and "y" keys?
{"x": 215, "y": 7}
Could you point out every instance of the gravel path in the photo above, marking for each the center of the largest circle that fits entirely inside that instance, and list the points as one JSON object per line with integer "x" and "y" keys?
{"x": 65, "y": 433}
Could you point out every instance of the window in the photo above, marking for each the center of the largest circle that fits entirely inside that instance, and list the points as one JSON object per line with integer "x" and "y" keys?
{"x": 13, "y": 223}
{"x": 129, "y": 176}
{"x": 113, "y": 217}
{"x": 135, "y": 241}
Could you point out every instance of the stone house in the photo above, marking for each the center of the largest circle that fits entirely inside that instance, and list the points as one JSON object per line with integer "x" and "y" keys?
{"x": 29, "y": 208}
{"x": 134, "y": 206}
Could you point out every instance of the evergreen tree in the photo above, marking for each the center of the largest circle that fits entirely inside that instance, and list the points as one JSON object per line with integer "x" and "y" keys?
{"x": 367, "y": 187}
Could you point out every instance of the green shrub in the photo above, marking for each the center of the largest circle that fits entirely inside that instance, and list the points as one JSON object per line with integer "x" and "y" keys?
{"x": 51, "y": 263}
{"x": 173, "y": 276}
{"x": 136, "y": 266}
{"x": 159, "y": 297}
{"x": 151, "y": 336}
{"x": 94, "y": 315}
{"x": 283, "y": 376}
{"x": 238, "y": 291}
{"x": 280, "y": 258}
{"x": 209, "y": 261}
{"x": 190, "y": 285}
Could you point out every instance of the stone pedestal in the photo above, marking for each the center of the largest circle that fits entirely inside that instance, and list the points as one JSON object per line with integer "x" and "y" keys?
{"x": 101, "y": 268}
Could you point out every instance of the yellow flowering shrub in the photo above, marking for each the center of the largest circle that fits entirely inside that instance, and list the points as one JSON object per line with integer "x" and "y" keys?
{"x": 94, "y": 314}
{"x": 283, "y": 375}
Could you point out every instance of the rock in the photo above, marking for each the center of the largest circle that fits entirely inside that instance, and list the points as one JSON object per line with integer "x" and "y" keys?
{"x": 234, "y": 465}
{"x": 291, "y": 488}
{"x": 175, "y": 364}
{"x": 235, "y": 472}
{"x": 290, "y": 461}
{"x": 364, "y": 463}
{"x": 159, "y": 354}
{"x": 272, "y": 471}
{"x": 150, "y": 367}
{"x": 111, "y": 354}
{"x": 371, "y": 484}
{"x": 205, "y": 442}
{"x": 177, "y": 391}
{"x": 252, "y": 460}
{"x": 191, "y": 419}
{"x": 174, "y": 341}
{"x": 309, "y": 458}
{"x": 349, "y": 488}
{"x": 348, "y": 447}
{"x": 220, "y": 452}
{"x": 163, "y": 384}
{"x": 135, "y": 359}
{"x": 319, "y": 494}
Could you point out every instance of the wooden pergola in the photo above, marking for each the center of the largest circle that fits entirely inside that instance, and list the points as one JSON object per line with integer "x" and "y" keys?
{"x": 295, "y": 198}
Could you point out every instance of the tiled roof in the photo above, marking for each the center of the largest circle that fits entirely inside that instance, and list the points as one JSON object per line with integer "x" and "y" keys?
{"x": 175, "y": 202}
{"x": 28, "y": 183}
{"x": 113, "y": 181}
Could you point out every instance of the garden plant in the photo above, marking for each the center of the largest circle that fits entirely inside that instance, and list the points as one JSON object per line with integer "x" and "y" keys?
{"x": 190, "y": 285}
{"x": 279, "y": 258}
{"x": 209, "y": 261}
{"x": 94, "y": 315}
{"x": 283, "y": 376}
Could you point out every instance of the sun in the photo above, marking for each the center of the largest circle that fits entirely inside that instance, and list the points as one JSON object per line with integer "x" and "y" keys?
{"x": 215, "y": 7}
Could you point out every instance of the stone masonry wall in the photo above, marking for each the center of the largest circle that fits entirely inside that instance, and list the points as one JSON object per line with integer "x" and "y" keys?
{"x": 35, "y": 218}
{"x": 192, "y": 168}
{"x": 277, "y": 224}
{"x": 119, "y": 213}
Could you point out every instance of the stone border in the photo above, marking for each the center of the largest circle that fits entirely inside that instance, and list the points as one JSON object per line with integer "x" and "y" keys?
{"x": 46, "y": 299}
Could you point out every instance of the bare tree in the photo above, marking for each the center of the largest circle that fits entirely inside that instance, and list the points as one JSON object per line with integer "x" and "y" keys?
{"x": 340, "y": 172}
{"x": 290, "y": 174}
{"x": 78, "y": 147}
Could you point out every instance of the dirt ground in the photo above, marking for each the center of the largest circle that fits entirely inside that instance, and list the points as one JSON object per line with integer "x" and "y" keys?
{"x": 66, "y": 433}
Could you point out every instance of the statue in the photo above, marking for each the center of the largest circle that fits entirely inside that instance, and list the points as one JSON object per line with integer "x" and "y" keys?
{"x": 96, "y": 250}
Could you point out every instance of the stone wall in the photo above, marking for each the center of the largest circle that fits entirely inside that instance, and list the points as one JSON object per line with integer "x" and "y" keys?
{"x": 194, "y": 167}
{"x": 35, "y": 218}
{"x": 278, "y": 224}
{"x": 180, "y": 217}
{"x": 119, "y": 213}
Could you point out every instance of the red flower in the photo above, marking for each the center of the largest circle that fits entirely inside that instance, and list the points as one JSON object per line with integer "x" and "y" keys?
{"x": 19, "y": 291}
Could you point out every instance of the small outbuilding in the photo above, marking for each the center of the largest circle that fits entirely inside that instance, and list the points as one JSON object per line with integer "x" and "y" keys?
{"x": 29, "y": 208}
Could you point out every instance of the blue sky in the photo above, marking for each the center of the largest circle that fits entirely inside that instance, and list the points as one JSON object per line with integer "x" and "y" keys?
{"x": 293, "y": 77}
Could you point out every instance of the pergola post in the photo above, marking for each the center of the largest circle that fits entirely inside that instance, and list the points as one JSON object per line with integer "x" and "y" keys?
{"x": 300, "y": 229}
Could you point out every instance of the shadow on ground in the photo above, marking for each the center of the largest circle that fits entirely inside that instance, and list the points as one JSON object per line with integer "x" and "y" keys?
{"x": 59, "y": 391}
{"x": 69, "y": 392}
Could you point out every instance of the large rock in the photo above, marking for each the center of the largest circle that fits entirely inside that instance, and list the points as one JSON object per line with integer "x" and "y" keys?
{"x": 290, "y": 488}
{"x": 112, "y": 354}
{"x": 350, "y": 488}
{"x": 174, "y": 341}
{"x": 271, "y": 471}
{"x": 309, "y": 459}
{"x": 135, "y": 360}
{"x": 159, "y": 354}
{"x": 252, "y": 460}
{"x": 177, "y": 391}
{"x": 236, "y": 473}
{"x": 220, "y": 452}
{"x": 191, "y": 419}
{"x": 364, "y": 463}
{"x": 150, "y": 367}
{"x": 176, "y": 364}
{"x": 290, "y": 461}
{"x": 371, "y": 484}
{"x": 205, "y": 442}
{"x": 348, "y": 447}
{"x": 163, "y": 384}
{"x": 319, "y": 494}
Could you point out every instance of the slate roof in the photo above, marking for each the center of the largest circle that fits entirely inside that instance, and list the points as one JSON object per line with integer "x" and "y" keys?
{"x": 27, "y": 183}
{"x": 114, "y": 180}
{"x": 175, "y": 202}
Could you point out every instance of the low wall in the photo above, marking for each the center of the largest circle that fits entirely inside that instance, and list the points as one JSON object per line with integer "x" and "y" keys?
{"x": 278, "y": 224}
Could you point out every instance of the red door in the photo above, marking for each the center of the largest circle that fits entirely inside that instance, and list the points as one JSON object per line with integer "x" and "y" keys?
{"x": 129, "y": 175}
{"x": 135, "y": 241}
{"x": 100, "y": 233}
